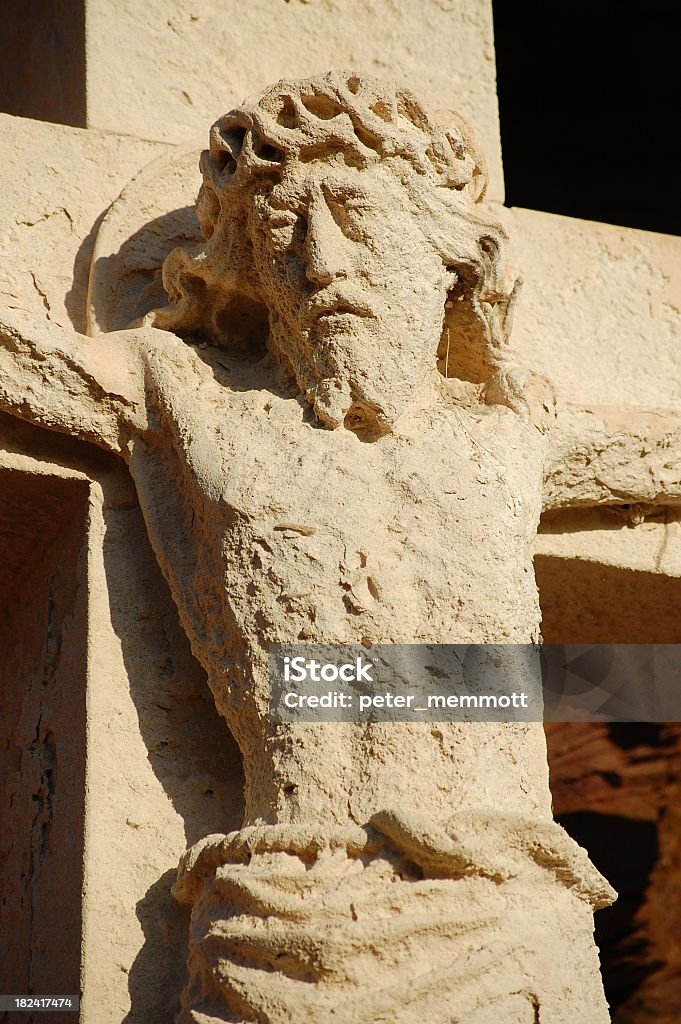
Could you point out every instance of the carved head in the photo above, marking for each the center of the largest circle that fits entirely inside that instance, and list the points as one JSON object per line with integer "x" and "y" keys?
{"x": 339, "y": 217}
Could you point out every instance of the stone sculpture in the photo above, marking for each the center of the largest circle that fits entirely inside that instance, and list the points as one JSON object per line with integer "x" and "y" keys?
{"x": 330, "y": 442}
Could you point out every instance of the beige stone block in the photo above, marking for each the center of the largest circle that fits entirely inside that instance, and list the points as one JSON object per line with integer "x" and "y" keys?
{"x": 605, "y": 536}
{"x": 107, "y": 719}
{"x": 166, "y": 70}
{"x": 58, "y": 182}
{"x": 600, "y": 310}
{"x": 604, "y": 577}
{"x": 163, "y": 770}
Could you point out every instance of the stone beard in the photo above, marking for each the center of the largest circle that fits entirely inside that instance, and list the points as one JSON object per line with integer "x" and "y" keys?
{"x": 340, "y": 450}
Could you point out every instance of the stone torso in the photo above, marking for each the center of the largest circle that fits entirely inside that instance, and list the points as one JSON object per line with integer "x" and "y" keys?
{"x": 423, "y": 536}
{"x": 272, "y": 529}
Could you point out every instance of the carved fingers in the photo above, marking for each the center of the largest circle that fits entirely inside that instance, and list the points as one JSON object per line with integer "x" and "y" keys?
{"x": 527, "y": 393}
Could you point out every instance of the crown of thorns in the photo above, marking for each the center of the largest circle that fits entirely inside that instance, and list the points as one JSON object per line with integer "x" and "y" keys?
{"x": 361, "y": 118}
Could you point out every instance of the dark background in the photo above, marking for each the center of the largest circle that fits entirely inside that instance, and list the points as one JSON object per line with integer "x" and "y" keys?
{"x": 590, "y": 108}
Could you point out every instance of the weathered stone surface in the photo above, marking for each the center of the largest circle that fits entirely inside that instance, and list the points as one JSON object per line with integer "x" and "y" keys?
{"x": 643, "y": 538}
{"x": 600, "y": 313}
{"x": 215, "y": 456}
{"x": 616, "y": 456}
{"x": 57, "y": 183}
{"x": 348, "y": 280}
{"x": 94, "y": 651}
{"x": 185, "y": 65}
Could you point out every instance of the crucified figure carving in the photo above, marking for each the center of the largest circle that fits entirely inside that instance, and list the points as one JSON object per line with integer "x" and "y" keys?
{"x": 331, "y": 443}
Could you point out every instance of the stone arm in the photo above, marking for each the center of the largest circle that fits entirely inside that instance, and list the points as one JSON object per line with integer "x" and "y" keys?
{"x": 90, "y": 388}
{"x": 611, "y": 455}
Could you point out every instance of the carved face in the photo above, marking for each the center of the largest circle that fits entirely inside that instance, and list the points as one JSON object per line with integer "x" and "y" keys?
{"x": 355, "y": 291}
{"x": 337, "y": 213}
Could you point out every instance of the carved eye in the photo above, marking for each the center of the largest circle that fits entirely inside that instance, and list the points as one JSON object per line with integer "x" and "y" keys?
{"x": 286, "y": 227}
{"x": 282, "y": 219}
{"x": 348, "y": 215}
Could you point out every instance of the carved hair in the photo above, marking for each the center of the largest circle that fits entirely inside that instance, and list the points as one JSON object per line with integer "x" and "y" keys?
{"x": 363, "y": 119}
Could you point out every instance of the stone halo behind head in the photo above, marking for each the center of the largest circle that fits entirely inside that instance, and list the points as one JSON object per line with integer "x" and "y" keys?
{"x": 340, "y": 119}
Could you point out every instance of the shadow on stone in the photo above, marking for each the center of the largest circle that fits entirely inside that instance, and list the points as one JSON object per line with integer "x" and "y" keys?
{"x": 159, "y": 972}
{"x": 189, "y": 746}
{"x": 127, "y": 284}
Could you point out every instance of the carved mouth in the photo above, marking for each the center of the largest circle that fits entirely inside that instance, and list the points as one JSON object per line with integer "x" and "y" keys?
{"x": 326, "y": 310}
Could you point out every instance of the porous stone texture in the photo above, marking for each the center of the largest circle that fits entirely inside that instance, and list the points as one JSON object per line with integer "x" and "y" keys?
{"x": 625, "y": 458}
{"x": 352, "y": 870}
{"x": 116, "y": 757}
{"x": 601, "y": 308}
{"x": 336, "y": 446}
{"x": 145, "y": 76}
{"x": 57, "y": 183}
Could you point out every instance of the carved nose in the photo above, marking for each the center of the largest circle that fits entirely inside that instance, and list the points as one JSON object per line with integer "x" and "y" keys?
{"x": 325, "y": 255}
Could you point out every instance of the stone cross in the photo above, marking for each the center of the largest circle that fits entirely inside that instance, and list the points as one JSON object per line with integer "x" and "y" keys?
{"x": 331, "y": 441}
